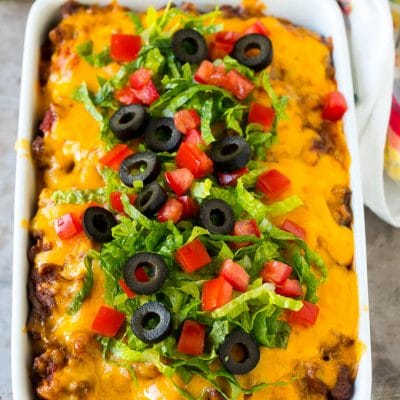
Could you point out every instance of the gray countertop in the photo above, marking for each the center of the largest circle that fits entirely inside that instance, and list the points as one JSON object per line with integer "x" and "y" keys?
{"x": 383, "y": 241}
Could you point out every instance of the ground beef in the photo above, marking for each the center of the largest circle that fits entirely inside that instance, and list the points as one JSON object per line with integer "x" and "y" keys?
{"x": 326, "y": 142}
{"x": 212, "y": 394}
{"x": 343, "y": 390}
{"x": 39, "y": 246}
{"x": 189, "y": 8}
{"x": 312, "y": 384}
{"x": 339, "y": 205}
{"x": 46, "y": 363}
{"x": 69, "y": 8}
{"x": 48, "y": 120}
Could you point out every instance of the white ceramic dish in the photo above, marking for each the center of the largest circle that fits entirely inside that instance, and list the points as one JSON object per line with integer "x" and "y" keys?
{"x": 323, "y": 17}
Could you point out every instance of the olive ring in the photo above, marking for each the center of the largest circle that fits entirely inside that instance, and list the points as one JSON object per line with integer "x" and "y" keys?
{"x": 147, "y": 160}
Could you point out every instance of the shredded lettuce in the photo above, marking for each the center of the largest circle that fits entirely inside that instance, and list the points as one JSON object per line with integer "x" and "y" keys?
{"x": 77, "y": 196}
{"x": 284, "y": 206}
{"x": 85, "y": 50}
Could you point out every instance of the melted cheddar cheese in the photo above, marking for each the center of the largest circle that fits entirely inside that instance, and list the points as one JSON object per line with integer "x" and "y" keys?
{"x": 72, "y": 150}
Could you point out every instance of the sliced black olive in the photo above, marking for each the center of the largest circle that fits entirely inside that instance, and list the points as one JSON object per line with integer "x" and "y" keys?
{"x": 162, "y": 135}
{"x": 143, "y": 167}
{"x": 230, "y": 153}
{"x": 217, "y": 216}
{"x": 189, "y": 46}
{"x": 254, "y": 50}
{"x": 151, "y": 199}
{"x": 97, "y": 224}
{"x": 239, "y": 353}
{"x": 157, "y": 272}
{"x": 129, "y": 122}
{"x": 151, "y": 322}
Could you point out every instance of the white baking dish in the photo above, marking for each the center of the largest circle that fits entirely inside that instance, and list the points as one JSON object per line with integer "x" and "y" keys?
{"x": 321, "y": 16}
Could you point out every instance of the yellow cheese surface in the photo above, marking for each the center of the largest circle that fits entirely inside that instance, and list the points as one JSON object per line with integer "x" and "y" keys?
{"x": 73, "y": 148}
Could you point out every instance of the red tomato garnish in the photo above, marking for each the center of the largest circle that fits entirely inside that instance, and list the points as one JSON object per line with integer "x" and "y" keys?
{"x": 235, "y": 274}
{"x": 230, "y": 37}
{"x": 276, "y": 272}
{"x": 334, "y": 107}
{"x": 141, "y": 275}
{"x": 191, "y": 340}
{"x": 116, "y": 202}
{"x": 148, "y": 94}
{"x": 179, "y": 180}
{"x": 219, "y": 50}
{"x": 127, "y": 96}
{"x": 292, "y": 227}
{"x": 108, "y": 321}
{"x": 190, "y": 206}
{"x": 172, "y": 210}
{"x": 272, "y": 183}
{"x": 218, "y": 76}
{"x": 192, "y": 256}
{"x": 115, "y": 156}
{"x": 126, "y": 289}
{"x": 238, "y": 84}
{"x": 186, "y": 120}
{"x": 260, "y": 114}
{"x": 306, "y": 316}
{"x": 67, "y": 226}
{"x": 140, "y": 78}
{"x": 245, "y": 227}
{"x": 215, "y": 294}
{"x": 203, "y": 73}
{"x": 125, "y": 47}
{"x": 257, "y": 27}
{"x": 230, "y": 179}
{"x": 194, "y": 136}
{"x": 191, "y": 157}
{"x": 290, "y": 288}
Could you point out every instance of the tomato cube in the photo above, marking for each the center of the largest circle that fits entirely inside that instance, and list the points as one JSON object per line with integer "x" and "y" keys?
{"x": 186, "y": 120}
{"x": 148, "y": 94}
{"x": 218, "y": 50}
{"x": 125, "y": 47}
{"x": 127, "y": 96}
{"x": 190, "y": 207}
{"x": 245, "y": 227}
{"x": 108, "y": 321}
{"x": 140, "y": 78}
{"x": 276, "y": 272}
{"x": 215, "y": 294}
{"x": 126, "y": 289}
{"x": 292, "y": 227}
{"x": 115, "y": 156}
{"x": 273, "y": 183}
{"x": 230, "y": 179}
{"x": 179, "y": 180}
{"x": 67, "y": 226}
{"x": 192, "y": 338}
{"x": 218, "y": 76}
{"x": 257, "y": 27}
{"x": 191, "y": 157}
{"x": 260, "y": 114}
{"x": 172, "y": 210}
{"x": 116, "y": 202}
{"x": 238, "y": 84}
{"x": 306, "y": 316}
{"x": 194, "y": 136}
{"x": 290, "y": 288}
{"x": 335, "y": 106}
{"x": 230, "y": 37}
{"x": 203, "y": 73}
{"x": 235, "y": 274}
{"x": 192, "y": 256}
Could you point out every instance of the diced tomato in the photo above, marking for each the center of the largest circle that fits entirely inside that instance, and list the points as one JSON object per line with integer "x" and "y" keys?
{"x": 108, "y": 321}
{"x": 230, "y": 37}
{"x": 148, "y": 94}
{"x": 230, "y": 179}
{"x": 172, "y": 210}
{"x": 115, "y": 156}
{"x": 194, "y": 136}
{"x": 290, "y": 288}
{"x": 191, "y": 340}
{"x": 192, "y": 256}
{"x": 260, "y": 114}
{"x": 203, "y": 73}
{"x": 292, "y": 227}
{"x": 245, "y": 227}
{"x": 125, "y": 47}
{"x": 276, "y": 272}
{"x": 126, "y": 289}
{"x": 126, "y": 96}
{"x": 116, "y": 202}
{"x": 273, "y": 183}
{"x": 235, "y": 274}
{"x": 186, "y": 120}
{"x": 179, "y": 180}
{"x": 141, "y": 274}
{"x": 215, "y": 294}
{"x": 191, "y": 157}
{"x": 190, "y": 207}
{"x": 306, "y": 316}
{"x": 67, "y": 226}
{"x": 238, "y": 84}
{"x": 218, "y": 76}
{"x": 257, "y": 27}
{"x": 140, "y": 78}
{"x": 335, "y": 106}
{"x": 218, "y": 50}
